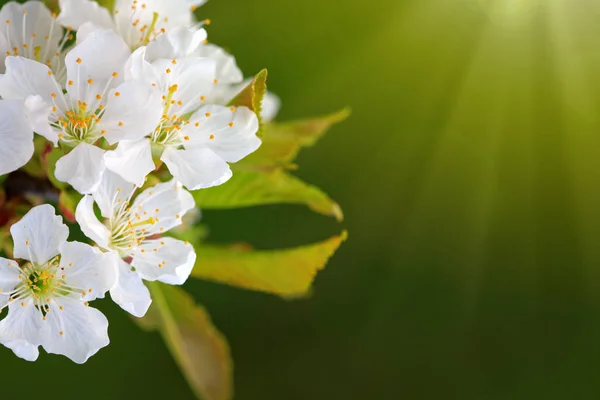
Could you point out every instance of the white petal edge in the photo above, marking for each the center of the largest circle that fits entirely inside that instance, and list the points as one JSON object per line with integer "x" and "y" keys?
{"x": 166, "y": 260}
{"x": 167, "y": 203}
{"x": 112, "y": 192}
{"x": 129, "y": 292}
{"x": 9, "y": 279}
{"x": 23, "y": 329}
{"x": 88, "y": 268}
{"x": 39, "y": 234}
{"x": 197, "y": 168}
{"x": 82, "y": 168}
{"x": 132, "y": 160}
{"x": 89, "y": 224}
{"x": 75, "y": 330}
{"x": 16, "y": 136}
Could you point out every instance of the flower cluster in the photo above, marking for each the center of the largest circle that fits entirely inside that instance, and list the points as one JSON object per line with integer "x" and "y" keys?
{"x": 120, "y": 94}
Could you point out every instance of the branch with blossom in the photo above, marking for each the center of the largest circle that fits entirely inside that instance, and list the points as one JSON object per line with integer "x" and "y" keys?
{"x": 126, "y": 122}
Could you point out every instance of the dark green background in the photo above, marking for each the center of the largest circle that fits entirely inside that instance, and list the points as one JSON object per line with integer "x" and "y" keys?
{"x": 469, "y": 174}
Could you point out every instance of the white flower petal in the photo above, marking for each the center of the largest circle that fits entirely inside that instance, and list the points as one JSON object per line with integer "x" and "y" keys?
{"x": 167, "y": 260}
{"x": 178, "y": 42}
{"x": 88, "y": 28}
{"x": 196, "y": 168}
{"x": 38, "y": 235}
{"x": 25, "y": 77}
{"x": 228, "y": 71}
{"x": 82, "y": 168}
{"x": 230, "y": 134}
{"x": 138, "y": 68}
{"x": 130, "y": 292}
{"x": 91, "y": 65}
{"x": 75, "y": 331}
{"x": 33, "y": 82}
{"x": 86, "y": 267}
{"x": 194, "y": 78}
{"x": 31, "y": 24}
{"x": 4, "y": 47}
{"x": 23, "y": 349}
{"x": 133, "y": 113}
{"x": 38, "y": 114}
{"x": 16, "y": 136}
{"x": 112, "y": 192}
{"x": 270, "y": 106}
{"x": 89, "y": 224}
{"x": 171, "y": 13}
{"x": 9, "y": 279}
{"x": 22, "y": 329}
{"x": 132, "y": 160}
{"x": 166, "y": 202}
{"x": 74, "y": 13}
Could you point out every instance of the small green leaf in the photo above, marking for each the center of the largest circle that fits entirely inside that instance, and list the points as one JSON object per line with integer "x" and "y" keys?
{"x": 49, "y": 159}
{"x": 251, "y": 188}
{"x": 198, "y": 347}
{"x": 34, "y": 166}
{"x": 52, "y": 5}
{"x": 67, "y": 202}
{"x": 288, "y": 272}
{"x": 252, "y": 95}
{"x": 281, "y": 142}
{"x": 261, "y": 178}
{"x": 6, "y": 244}
{"x": 108, "y": 4}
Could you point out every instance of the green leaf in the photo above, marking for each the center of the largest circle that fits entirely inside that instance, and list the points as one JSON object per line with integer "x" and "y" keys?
{"x": 49, "y": 159}
{"x": 287, "y": 272}
{"x": 282, "y": 142}
{"x": 261, "y": 178}
{"x": 67, "y": 202}
{"x": 251, "y": 188}
{"x": 34, "y": 166}
{"x": 108, "y": 4}
{"x": 198, "y": 347}
{"x": 52, "y": 5}
{"x": 252, "y": 95}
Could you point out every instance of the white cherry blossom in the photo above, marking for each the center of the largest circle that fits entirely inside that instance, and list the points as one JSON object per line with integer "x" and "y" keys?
{"x": 132, "y": 228}
{"x": 48, "y": 295}
{"x": 97, "y": 104}
{"x": 16, "y": 136}
{"x": 137, "y": 21}
{"x": 185, "y": 42}
{"x": 197, "y": 141}
{"x": 31, "y": 31}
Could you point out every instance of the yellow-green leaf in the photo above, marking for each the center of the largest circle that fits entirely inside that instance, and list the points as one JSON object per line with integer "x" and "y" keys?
{"x": 281, "y": 142}
{"x": 34, "y": 165}
{"x": 49, "y": 159}
{"x": 198, "y": 347}
{"x": 251, "y": 188}
{"x": 253, "y": 94}
{"x": 286, "y": 272}
{"x": 67, "y": 202}
{"x": 52, "y": 5}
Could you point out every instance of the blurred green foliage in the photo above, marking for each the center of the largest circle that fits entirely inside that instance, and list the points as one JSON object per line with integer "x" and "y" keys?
{"x": 469, "y": 177}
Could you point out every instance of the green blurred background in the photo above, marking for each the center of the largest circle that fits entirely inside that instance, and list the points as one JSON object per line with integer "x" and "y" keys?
{"x": 469, "y": 176}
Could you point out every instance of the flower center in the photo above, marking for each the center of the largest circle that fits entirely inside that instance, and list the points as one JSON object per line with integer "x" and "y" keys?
{"x": 129, "y": 229}
{"x": 167, "y": 132}
{"x": 79, "y": 125}
{"x": 42, "y": 283}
